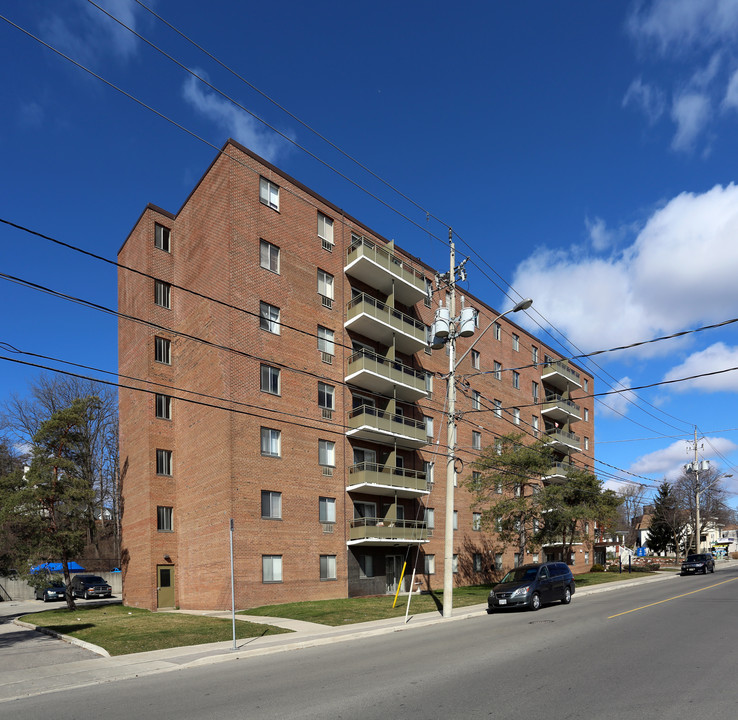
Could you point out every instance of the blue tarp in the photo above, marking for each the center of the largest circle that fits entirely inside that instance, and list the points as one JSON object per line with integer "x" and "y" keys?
{"x": 56, "y": 567}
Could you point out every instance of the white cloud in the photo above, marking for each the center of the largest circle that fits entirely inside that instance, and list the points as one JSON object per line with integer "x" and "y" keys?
{"x": 670, "y": 461}
{"x": 679, "y": 272}
{"x": 731, "y": 93}
{"x": 599, "y": 234}
{"x": 646, "y": 97}
{"x": 690, "y": 113}
{"x": 617, "y": 404}
{"x": 237, "y": 123}
{"x": 716, "y": 357}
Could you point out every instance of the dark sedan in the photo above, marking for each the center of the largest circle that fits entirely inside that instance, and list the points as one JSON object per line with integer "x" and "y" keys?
{"x": 55, "y": 591}
{"x": 700, "y": 562}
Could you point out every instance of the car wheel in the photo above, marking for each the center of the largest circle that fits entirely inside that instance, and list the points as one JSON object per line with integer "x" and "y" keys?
{"x": 535, "y": 602}
{"x": 704, "y": 570}
{"x": 490, "y": 610}
{"x": 567, "y": 596}
{"x": 87, "y": 595}
{"x": 46, "y": 598}
{"x": 712, "y": 569}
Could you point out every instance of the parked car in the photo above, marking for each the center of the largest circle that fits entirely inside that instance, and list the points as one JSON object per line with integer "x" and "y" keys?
{"x": 532, "y": 586}
{"x": 53, "y": 591}
{"x": 700, "y": 562}
{"x": 88, "y": 586}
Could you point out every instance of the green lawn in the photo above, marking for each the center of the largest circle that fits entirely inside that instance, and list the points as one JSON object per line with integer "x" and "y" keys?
{"x": 122, "y": 630}
{"x": 345, "y": 611}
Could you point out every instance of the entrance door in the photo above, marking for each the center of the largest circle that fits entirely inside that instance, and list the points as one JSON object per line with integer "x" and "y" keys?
{"x": 393, "y": 570}
{"x": 165, "y": 586}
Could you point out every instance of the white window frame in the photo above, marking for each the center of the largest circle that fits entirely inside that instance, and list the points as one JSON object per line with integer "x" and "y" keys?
{"x": 326, "y": 396}
{"x": 162, "y": 238}
{"x": 325, "y": 229}
{"x": 516, "y": 379}
{"x": 476, "y": 440}
{"x": 498, "y": 407}
{"x": 476, "y": 400}
{"x": 326, "y": 340}
{"x": 326, "y": 283}
{"x": 497, "y": 370}
{"x": 271, "y": 569}
{"x": 271, "y": 442}
{"x": 429, "y": 564}
{"x": 475, "y": 361}
{"x": 586, "y": 414}
{"x": 498, "y": 331}
{"x": 430, "y": 518}
{"x": 516, "y": 416}
{"x": 456, "y": 519}
{"x": 326, "y": 453}
{"x": 269, "y": 318}
{"x": 428, "y": 420}
{"x": 163, "y": 294}
{"x": 271, "y": 505}
{"x": 516, "y": 342}
{"x": 270, "y": 380}
{"x": 269, "y": 193}
{"x": 269, "y": 256}
{"x": 476, "y": 521}
{"x": 534, "y": 354}
{"x": 327, "y": 509}
{"x": 429, "y": 469}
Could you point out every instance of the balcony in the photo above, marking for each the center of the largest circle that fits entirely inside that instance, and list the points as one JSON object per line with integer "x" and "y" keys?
{"x": 559, "y": 408}
{"x": 558, "y": 472}
{"x": 385, "y": 377}
{"x": 374, "y": 319}
{"x": 368, "y": 423}
{"x": 375, "y": 531}
{"x": 563, "y": 441}
{"x": 380, "y": 268}
{"x": 376, "y": 479}
{"x": 558, "y": 374}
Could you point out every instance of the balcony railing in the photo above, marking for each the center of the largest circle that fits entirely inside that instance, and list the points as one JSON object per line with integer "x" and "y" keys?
{"x": 377, "y": 530}
{"x": 380, "y": 268}
{"x": 373, "y": 318}
{"x": 559, "y": 374}
{"x": 558, "y": 471}
{"x": 558, "y": 407}
{"x": 380, "y": 375}
{"x": 562, "y": 437}
{"x": 370, "y": 423}
{"x": 382, "y": 480}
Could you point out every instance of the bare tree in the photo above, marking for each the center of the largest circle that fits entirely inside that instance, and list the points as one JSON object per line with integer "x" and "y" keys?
{"x": 632, "y": 496}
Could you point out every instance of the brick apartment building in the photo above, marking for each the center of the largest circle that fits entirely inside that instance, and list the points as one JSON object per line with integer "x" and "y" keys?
{"x": 294, "y": 391}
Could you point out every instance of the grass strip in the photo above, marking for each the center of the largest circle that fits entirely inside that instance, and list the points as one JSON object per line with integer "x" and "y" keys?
{"x": 122, "y": 630}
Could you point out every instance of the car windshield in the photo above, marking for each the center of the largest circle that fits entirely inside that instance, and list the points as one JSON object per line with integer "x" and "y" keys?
{"x": 95, "y": 579}
{"x": 521, "y": 574}
{"x": 695, "y": 558}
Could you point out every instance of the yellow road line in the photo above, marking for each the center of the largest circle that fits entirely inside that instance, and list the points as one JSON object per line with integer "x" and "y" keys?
{"x": 676, "y": 597}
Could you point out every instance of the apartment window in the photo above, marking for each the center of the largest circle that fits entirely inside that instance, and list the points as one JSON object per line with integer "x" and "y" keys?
{"x": 535, "y": 557}
{"x": 269, "y": 317}
{"x": 586, "y": 414}
{"x": 271, "y": 568}
{"x": 269, "y": 193}
{"x": 516, "y": 559}
{"x": 516, "y": 342}
{"x": 428, "y": 468}
{"x": 534, "y": 425}
{"x": 327, "y": 567}
{"x": 498, "y": 446}
{"x": 516, "y": 379}
{"x": 586, "y": 443}
{"x": 477, "y": 559}
{"x": 163, "y": 462}
{"x": 534, "y": 354}
{"x": 430, "y": 518}
{"x": 497, "y": 371}
{"x": 476, "y": 400}
{"x": 164, "y": 519}
{"x": 498, "y": 408}
{"x": 163, "y": 407}
{"x": 325, "y": 340}
{"x": 326, "y": 397}
{"x": 270, "y": 379}
{"x": 430, "y": 565}
{"x": 271, "y": 441}
{"x": 162, "y": 237}
{"x": 428, "y": 293}
{"x": 456, "y": 519}
{"x": 586, "y": 557}
{"x": 326, "y": 453}
{"x": 498, "y": 561}
{"x": 366, "y": 566}
{"x": 518, "y": 490}
{"x": 586, "y": 385}
{"x": 325, "y": 288}
{"x": 327, "y": 509}
{"x": 269, "y": 256}
{"x": 271, "y": 505}
{"x": 476, "y": 521}
{"x": 475, "y": 359}
{"x": 498, "y": 331}
{"x": 534, "y": 388}
{"x": 163, "y": 294}
{"x": 455, "y": 564}
{"x": 428, "y": 426}
{"x": 586, "y": 528}
{"x": 476, "y": 480}
{"x": 325, "y": 231}
{"x": 429, "y": 383}
{"x": 516, "y": 416}
{"x": 476, "y": 440}
{"x": 163, "y": 350}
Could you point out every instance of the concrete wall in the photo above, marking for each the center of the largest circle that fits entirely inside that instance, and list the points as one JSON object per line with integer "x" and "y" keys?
{"x": 13, "y": 588}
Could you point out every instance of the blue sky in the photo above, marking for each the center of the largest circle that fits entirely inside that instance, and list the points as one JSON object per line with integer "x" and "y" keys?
{"x": 585, "y": 150}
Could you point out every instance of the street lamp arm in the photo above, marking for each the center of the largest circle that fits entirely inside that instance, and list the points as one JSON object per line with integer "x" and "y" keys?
{"x": 522, "y": 305}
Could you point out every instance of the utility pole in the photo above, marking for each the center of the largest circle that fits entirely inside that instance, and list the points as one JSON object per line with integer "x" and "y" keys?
{"x": 694, "y": 467}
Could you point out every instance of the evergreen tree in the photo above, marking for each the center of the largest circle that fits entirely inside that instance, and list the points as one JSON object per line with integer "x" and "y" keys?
{"x": 660, "y": 536}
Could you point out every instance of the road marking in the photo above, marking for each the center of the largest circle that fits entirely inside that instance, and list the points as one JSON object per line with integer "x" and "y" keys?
{"x": 676, "y": 597}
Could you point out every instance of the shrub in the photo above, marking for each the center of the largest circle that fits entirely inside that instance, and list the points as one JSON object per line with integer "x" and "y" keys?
{"x": 653, "y": 566}
{"x": 597, "y": 568}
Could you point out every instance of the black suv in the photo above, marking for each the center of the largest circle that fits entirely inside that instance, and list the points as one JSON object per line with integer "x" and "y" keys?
{"x": 701, "y": 562}
{"x": 532, "y": 586}
{"x": 88, "y": 586}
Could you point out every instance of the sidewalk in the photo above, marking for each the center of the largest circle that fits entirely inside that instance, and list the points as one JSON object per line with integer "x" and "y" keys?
{"x": 19, "y": 683}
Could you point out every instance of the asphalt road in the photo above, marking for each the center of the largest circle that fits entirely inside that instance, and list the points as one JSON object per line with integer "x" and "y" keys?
{"x": 659, "y": 650}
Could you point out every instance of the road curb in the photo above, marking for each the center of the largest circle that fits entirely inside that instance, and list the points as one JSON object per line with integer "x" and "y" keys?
{"x": 67, "y": 638}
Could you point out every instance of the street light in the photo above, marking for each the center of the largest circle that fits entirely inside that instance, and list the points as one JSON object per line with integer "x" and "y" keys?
{"x": 453, "y": 327}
